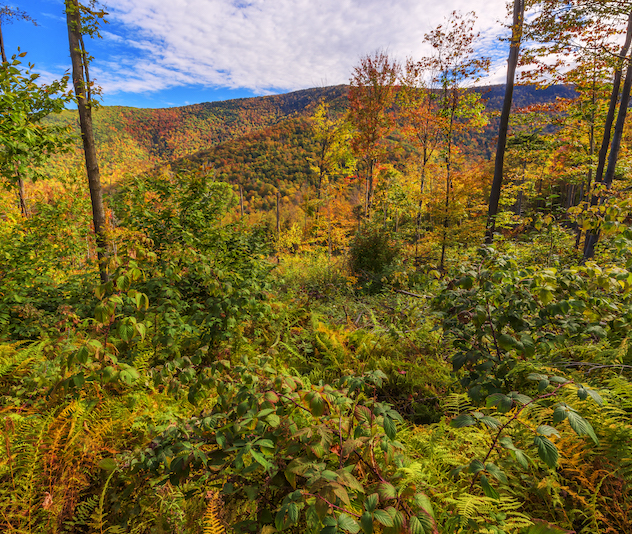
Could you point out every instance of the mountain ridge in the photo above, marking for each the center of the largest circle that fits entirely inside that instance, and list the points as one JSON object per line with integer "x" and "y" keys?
{"x": 139, "y": 139}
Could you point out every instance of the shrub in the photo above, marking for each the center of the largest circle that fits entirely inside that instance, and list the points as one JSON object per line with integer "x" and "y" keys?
{"x": 373, "y": 256}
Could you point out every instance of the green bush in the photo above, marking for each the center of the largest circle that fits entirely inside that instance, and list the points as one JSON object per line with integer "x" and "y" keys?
{"x": 373, "y": 256}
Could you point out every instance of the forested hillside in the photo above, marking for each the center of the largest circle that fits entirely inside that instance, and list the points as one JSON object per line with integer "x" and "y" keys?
{"x": 145, "y": 138}
{"x": 303, "y": 313}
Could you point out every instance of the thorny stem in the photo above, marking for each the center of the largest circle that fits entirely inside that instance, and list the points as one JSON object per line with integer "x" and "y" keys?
{"x": 306, "y": 494}
{"x": 511, "y": 420}
{"x": 491, "y": 325}
{"x": 373, "y": 467}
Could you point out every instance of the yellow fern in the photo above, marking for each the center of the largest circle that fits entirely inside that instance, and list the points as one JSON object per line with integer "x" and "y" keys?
{"x": 212, "y": 522}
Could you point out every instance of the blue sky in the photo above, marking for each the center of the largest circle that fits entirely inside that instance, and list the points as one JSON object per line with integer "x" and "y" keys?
{"x": 159, "y": 53}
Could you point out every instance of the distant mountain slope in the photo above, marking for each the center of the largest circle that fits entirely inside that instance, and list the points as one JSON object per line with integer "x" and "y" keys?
{"x": 278, "y": 156}
{"x": 524, "y": 95}
{"x": 132, "y": 140}
{"x": 262, "y": 161}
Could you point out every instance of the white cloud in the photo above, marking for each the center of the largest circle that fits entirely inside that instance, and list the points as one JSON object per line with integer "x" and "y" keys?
{"x": 271, "y": 45}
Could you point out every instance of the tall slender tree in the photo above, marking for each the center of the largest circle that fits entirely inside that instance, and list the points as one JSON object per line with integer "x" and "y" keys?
{"x": 371, "y": 97}
{"x": 83, "y": 91}
{"x": 26, "y": 142}
{"x": 503, "y": 127}
{"x": 455, "y": 65}
{"x": 570, "y": 28}
{"x": 7, "y": 14}
{"x": 418, "y": 106}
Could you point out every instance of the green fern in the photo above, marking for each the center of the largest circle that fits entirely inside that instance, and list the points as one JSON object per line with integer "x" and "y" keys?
{"x": 15, "y": 360}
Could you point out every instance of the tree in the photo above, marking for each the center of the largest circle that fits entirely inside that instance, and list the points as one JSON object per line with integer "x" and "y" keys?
{"x": 571, "y": 28}
{"x": 25, "y": 141}
{"x": 83, "y": 92}
{"x": 454, "y": 64}
{"x": 503, "y": 127}
{"x": 418, "y": 108}
{"x": 332, "y": 157}
{"x": 371, "y": 97}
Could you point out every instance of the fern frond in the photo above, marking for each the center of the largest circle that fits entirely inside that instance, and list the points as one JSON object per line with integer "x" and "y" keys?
{"x": 15, "y": 361}
{"x": 212, "y": 522}
{"x": 456, "y": 403}
{"x": 142, "y": 362}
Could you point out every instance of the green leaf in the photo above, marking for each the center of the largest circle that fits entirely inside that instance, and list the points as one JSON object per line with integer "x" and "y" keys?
{"x": 476, "y": 466}
{"x": 496, "y": 472}
{"x": 347, "y": 479}
{"x": 546, "y": 430}
{"x": 292, "y": 513}
{"x": 528, "y": 344}
{"x": 387, "y": 491}
{"x": 560, "y": 413}
{"x": 559, "y": 379}
{"x": 126, "y": 331}
{"x": 346, "y": 522}
{"x": 366, "y": 522}
{"x": 521, "y": 458}
{"x": 317, "y": 405}
{"x": 398, "y": 520}
{"x": 488, "y": 489}
{"x": 546, "y": 450}
{"x": 422, "y": 500}
{"x": 273, "y": 420}
{"x": 383, "y": 518}
{"x": 389, "y": 427}
{"x": 522, "y": 399}
{"x": 108, "y": 464}
{"x": 128, "y": 376}
{"x": 341, "y": 493}
{"x": 82, "y": 355}
{"x": 595, "y": 396}
{"x": 503, "y": 402}
{"x": 490, "y": 422}
{"x": 536, "y": 377}
{"x": 506, "y": 342}
{"x": 462, "y": 420}
{"x": 371, "y": 502}
{"x": 415, "y": 526}
{"x": 581, "y": 426}
{"x": 260, "y": 459}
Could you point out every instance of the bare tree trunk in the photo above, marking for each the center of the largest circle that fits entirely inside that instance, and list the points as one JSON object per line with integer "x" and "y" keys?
{"x": 278, "y": 224}
{"x": 329, "y": 229}
{"x": 369, "y": 188}
{"x": 4, "y": 56}
{"x": 81, "y": 83}
{"x": 512, "y": 62}
{"x": 614, "y": 98}
{"x": 593, "y": 236}
{"x": 22, "y": 195}
{"x": 618, "y": 128}
{"x": 445, "y": 215}
{"x": 241, "y": 200}
{"x": 278, "y": 214}
{"x": 422, "y": 184}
